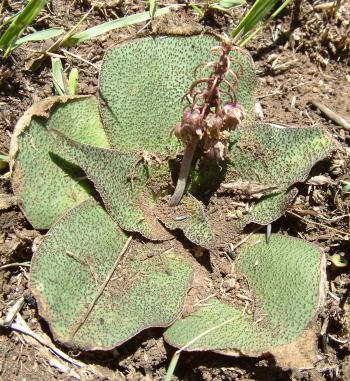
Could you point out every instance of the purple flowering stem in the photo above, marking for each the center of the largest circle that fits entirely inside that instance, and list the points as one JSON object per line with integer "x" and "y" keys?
{"x": 184, "y": 172}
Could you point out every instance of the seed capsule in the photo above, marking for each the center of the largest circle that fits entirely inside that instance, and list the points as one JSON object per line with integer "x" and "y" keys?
{"x": 218, "y": 150}
{"x": 192, "y": 118}
{"x": 214, "y": 123}
{"x": 233, "y": 114}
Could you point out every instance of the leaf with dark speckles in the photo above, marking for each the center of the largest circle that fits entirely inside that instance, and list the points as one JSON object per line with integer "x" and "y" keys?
{"x": 286, "y": 278}
{"x": 147, "y": 289}
{"x": 47, "y": 186}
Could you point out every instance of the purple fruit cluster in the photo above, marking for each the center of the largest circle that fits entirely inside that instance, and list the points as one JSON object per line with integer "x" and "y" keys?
{"x": 206, "y": 118}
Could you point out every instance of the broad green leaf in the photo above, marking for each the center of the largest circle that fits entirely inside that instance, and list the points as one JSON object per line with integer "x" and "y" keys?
{"x": 268, "y": 209}
{"x": 46, "y": 185}
{"x": 269, "y": 155}
{"x": 120, "y": 179}
{"x": 287, "y": 281}
{"x": 188, "y": 216}
{"x": 276, "y": 155}
{"x": 97, "y": 288}
{"x": 142, "y": 82}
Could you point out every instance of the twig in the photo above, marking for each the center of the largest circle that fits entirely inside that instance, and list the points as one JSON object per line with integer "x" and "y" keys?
{"x": 324, "y": 6}
{"x": 200, "y": 302}
{"x": 80, "y": 58}
{"x": 331, "y": 115}
{"x": 21, "y": 326}
{"x": 11, "y": 313}
{"x": 269, "y": 94}
{"x": 338, "y": 340}
{"x": 54, "y": 47}
{"x": 335, "y": 218}
{"x": 318, "y": 223}
{"x": 234, "y": 247}
{"x": 15, "y": 264}
{"x": 100, "y": 290}
{"x": 335, "y": 297}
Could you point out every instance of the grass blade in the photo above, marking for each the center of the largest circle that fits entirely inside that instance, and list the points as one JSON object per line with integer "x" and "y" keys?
{"x": 114, "y": 24}
{"x": 275, "y": 14}
{"x": 152, "y": 7}
{"x": 224, "y": 5}
{"x": 20, "y": 23}
{"x": 39, "y": 36}
{"x": 58, "y": 76}
{"x": 197, "y": 9}
{"x": 257, "y": 13}
{"x": 172, "y": 366}
{"x": 73, "y": 81}
{"x": 4, "y": 158}
{"x": 61, "y": 41}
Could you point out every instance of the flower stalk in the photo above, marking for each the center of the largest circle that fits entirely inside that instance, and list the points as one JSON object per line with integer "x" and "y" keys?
{"x": 207, "y": 118}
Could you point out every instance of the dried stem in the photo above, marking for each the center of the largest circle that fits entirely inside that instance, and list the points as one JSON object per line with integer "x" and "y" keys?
{"x": 332, "y": 115}
{"x": 101, "y": 289}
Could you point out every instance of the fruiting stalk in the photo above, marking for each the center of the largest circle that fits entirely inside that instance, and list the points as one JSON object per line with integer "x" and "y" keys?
{"x": 206, "y": 118}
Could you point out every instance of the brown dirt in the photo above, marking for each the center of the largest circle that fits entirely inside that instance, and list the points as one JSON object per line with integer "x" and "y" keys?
{"x": 303, "y": 56}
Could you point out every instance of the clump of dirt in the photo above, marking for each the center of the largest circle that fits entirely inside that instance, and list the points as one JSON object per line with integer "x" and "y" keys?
{"x": 323, "y": 43}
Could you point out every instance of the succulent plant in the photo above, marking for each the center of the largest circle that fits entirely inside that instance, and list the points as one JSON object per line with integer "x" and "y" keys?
{"x": 99, "y": 174}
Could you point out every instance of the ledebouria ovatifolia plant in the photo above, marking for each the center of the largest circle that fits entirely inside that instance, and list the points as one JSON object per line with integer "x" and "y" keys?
{"x": 99, "y": 174}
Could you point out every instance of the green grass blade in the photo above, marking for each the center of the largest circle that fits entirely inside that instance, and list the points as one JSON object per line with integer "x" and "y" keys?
{"x": 41, "y": 35}
{"x": 114, "y": 24}
{"x": 197, "y": 9}
{"x": 171, "y": 369}
{"x": 275, "y": 14}
{"x": 224, "y": 5}
{"x": 58, "y": 76}
{"x": 152, "y": 7}
{"x": 258, "y": 12}
{"x": 73, "y": 81}
{"x": 20, "y": 23}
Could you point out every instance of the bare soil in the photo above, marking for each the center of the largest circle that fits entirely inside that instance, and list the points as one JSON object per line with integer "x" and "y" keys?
{"x": 302, "y": 56}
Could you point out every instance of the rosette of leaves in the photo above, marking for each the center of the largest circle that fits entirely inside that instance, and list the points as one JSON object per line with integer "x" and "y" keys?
{"x": 98, "y": 174}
